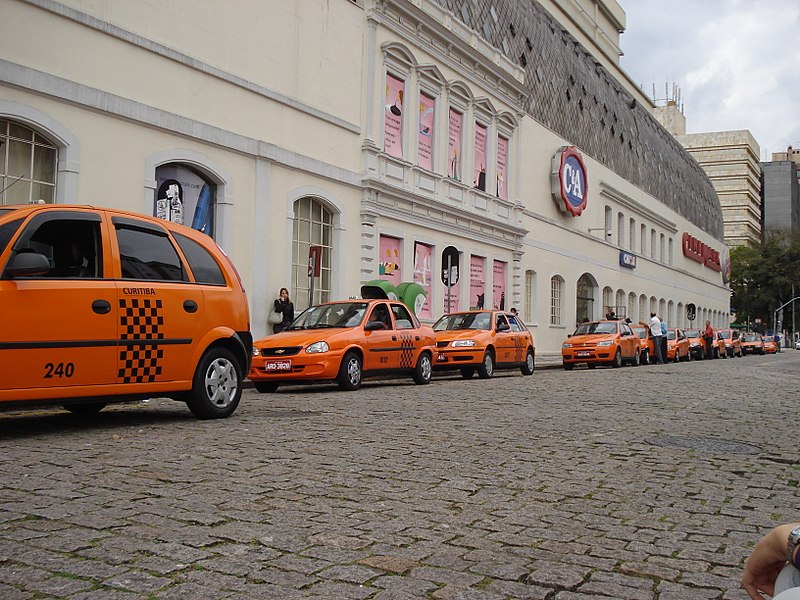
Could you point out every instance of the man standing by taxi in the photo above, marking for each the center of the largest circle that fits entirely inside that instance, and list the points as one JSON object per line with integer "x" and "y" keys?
{"x": 655, "y": 333}
{"x": 708, "y": 338}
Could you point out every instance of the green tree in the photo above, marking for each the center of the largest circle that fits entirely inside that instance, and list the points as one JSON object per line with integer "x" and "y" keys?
{"x": 762, "y": 276}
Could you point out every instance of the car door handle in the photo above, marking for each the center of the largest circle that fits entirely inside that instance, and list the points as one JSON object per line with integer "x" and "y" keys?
{"x": 101, "y": 307}
{"x": 394, "y": 338}
{"x": 190, "y": 306}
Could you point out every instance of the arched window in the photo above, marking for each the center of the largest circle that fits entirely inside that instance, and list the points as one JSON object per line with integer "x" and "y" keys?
{"x": 28, "y": 165}
{"x": 530, "y": 297}
{"x": 184, "y": 195}
{"x": 621, "y": 310}
{"x": 632, "y": 307}
{"x": 556, "y": 300}
{"x": 312, "y": 225}
{"x": 608, "y": 302}
{"x": 644, "y": 315}
{"x": 584, "y": 298}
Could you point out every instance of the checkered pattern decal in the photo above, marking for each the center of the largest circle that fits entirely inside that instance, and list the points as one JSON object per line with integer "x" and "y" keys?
{"x": 406, "y": 351}
{"x": 519, "y": 351}
{"x": 140, "y": 319}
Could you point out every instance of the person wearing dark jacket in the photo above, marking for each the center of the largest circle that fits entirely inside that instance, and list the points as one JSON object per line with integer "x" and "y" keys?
{"x": 284, "y": 306}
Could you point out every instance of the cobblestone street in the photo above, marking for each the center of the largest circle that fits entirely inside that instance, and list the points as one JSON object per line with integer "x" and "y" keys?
{"x": 634, "y": 483}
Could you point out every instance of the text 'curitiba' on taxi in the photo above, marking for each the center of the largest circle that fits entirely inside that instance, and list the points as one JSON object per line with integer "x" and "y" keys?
{"x": 100, "y": 305}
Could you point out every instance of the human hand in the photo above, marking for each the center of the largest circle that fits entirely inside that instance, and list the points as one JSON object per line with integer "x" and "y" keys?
{"x": 765, "y": 562}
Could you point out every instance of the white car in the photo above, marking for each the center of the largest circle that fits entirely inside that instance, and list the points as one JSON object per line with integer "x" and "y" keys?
{"x": 797, "y": 345}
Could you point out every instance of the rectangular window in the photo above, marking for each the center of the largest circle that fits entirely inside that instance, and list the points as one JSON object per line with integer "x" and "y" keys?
{"x": 643, "y": 238}
{"x": 423, "y": 269}
{"x": 477, "y": 278}
{"x": 499, "y": 284}
{"x": 632, "y": 233}
{"x": 393, "y": 117}
{"x": 653, "y": 244}
{"x": 530, "y": 292}
{"x": 662, "y": 253}
{"x": 427, "y": 113}
{"x": 479, "y": 170}
{"x": 620, "y": 230}
{"x": 454, "y": 145}
{"x": 502, "y": 168}
{"x": 555, "y": 301}
{"x": 389, "y": 261}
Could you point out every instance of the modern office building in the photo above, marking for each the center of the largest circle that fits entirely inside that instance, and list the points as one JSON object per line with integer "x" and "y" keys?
{"x": 389, "y": 138}
{"x": 780, "y": 193}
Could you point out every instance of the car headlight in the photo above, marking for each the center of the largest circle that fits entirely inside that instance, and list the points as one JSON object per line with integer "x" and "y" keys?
{"x": 462, "y": 343}
{"x": 256, "y": 351}
{"x": 606, "y": 343}
{"x": 317, "y": 347}
{"x": 566, "y": 345}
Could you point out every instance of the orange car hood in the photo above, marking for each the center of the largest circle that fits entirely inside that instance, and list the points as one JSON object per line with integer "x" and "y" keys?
{"x": 459, "y": 334}
{"x": 303, "y": 337}
{"x": 591, "y": 338}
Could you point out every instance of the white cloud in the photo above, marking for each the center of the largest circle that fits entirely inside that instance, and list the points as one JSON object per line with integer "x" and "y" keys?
{"x": 736, "y": 63}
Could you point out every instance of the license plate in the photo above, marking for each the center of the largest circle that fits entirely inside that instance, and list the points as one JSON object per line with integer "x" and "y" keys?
{"x": 441, "y": 357}
{"x": 582, "y": 354}
{"x": 278, "y": 365}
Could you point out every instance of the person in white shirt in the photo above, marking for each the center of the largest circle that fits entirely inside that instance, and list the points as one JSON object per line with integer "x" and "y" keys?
{"x": 655, "y": 333}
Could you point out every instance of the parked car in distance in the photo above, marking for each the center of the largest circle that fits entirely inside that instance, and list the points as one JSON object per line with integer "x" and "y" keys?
{"x": 607, "y": 342}
{"x": 482, "y": 341}
{"x": 797, "y": 345}
{"x": 718, "y": 346}
{"x": 752, "y": 343}
{"x": 677, "y": 345}
{"x": 345, "y": 342}
{"x": 770, "y": 345}
{"x": 697, "y": 345}
{"x": 101, "y": 305}
{"x": 646, "y": 349}
{"x": 733, "y": 342}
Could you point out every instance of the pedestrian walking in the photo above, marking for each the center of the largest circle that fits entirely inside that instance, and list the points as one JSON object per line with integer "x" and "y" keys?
{"x": 655, "y": 333}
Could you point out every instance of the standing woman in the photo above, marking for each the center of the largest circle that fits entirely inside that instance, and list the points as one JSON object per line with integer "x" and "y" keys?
{"x": 284, "y": 306}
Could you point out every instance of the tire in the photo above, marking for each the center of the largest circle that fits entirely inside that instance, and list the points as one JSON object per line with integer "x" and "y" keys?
{"x": 486, "y": 368}
{"x": 350, "y": 373}
{"x": 86, "y": 409}
{"x": 568, "y": 366}
{"x": 637, "y": 359}
{"x": 689, "y": 356}
{"x": 467, "y": 372}
{"x": 590, "y": 365}
{"x": 424, "y": 369}
{"x": 216, "y": 386}
{"x": 644, "y": 358}
{"x": 265, "y": 387}
{"x": 617, "y": 362}
{"x": 530, "y": 365}
{"x": 677, "y": 357}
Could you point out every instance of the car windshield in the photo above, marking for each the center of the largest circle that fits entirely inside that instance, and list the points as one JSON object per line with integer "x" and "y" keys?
{"x": 693, "y": 333}
{"x": 750, "y": 337}
{"x": 600, "y": 328}
{"x": 471, "y": 320}
{"x": 768, "y": 338}
{"x": 640, "y": 331}
{"x": 340, "y": 314}
{"x": 671, "y": 334}
{"x": 725, "y": 334}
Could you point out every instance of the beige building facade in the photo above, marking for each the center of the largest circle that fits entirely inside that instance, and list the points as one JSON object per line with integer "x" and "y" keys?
{"x": 383, "y": 133}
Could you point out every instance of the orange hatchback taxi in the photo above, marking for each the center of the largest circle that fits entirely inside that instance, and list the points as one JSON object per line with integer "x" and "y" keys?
{"x": 482, "y": 341}
{"x": 345, "y": 342}
{"x": 677, "y": 346}
{"x": 770, "y": 345}
{"x": 99, "y": 305}
{"x": 601, "y": 343}
{"x": 647, "y": 351}
{"x": 752, "y": 343}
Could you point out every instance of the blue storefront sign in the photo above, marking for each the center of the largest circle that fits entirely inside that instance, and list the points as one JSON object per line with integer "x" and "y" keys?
{"x": 627, "y": 260}
{"x": 569, "y": 184}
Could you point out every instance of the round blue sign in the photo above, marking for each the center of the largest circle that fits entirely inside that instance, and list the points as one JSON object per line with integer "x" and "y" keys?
{"x": 573, "y": 183}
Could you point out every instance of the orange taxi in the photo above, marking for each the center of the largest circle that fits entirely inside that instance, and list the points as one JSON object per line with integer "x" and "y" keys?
{"x": 770, "y": 345}
{"x": 677, "y": 345}
{"x": 752, "y": 343}
{"x": 482, "y": 341}
{"x": 697, "y": 345}
{"x": 718, "y": 346}
{"x": 345, "y": 342}
{"x": 101, "y": 305}
{"x": 733, "y": 342}
{"x": 647, "y": 351}
{"x": 607, "y": 342}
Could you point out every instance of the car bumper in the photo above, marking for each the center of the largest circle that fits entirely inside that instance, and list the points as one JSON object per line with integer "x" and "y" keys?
{"x": 588, "y": 355}
{"x": 456, "y": 358}
{"x": 301, "y": 367}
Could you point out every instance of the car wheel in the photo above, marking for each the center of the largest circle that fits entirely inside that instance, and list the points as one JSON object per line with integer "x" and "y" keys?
{"x": 644, "y": 358}
{"x": 689, "y": 356}
{"x": 467, "y": 372}
{"x": 568, "y": 366}
{"x": 85, "y": 409}
{"x": 265, "y": 387}
{"x": 590, "y": 365}
{"x": 677, "y": 357}
{"x": 486, "y": 368}
{"x": 349, "y": 377}
{"x": 423, "y": 370}
{"x": 637, "y": 359}
{"x": 617, "y": 362}
{"x": 527, "y": 368}
{"x": 217, "y": 385}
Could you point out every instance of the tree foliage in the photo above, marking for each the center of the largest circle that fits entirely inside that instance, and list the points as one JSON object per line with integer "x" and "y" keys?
{"x": 762, "y": 276}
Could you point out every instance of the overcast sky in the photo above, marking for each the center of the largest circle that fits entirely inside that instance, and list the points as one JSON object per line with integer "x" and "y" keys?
{"x": 736, "y": 62}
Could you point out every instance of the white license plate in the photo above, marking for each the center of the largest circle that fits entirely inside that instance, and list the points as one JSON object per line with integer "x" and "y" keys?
{"x": 278, "y": 365}
{"x": 583, "y": 354}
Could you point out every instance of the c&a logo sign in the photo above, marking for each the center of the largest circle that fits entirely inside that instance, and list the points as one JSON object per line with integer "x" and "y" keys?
{"x": 568, "y": 181}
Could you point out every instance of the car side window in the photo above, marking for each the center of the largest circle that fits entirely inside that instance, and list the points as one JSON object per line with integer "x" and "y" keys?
{"x": 402, "y": 318}
{"x": 380, "y": 313}
{"x": 203, "y": 266}
{"x": 148, "y": 254}
{"x": 7, "y": 232}
{"x": 72, "y": 246}
{"x": 501, "y": 320}
{"x": 515, "y": 324}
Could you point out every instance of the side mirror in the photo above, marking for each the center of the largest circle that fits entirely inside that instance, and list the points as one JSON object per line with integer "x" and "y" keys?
{"x": 374, "y": 326}
{"x": 28, "y": 263}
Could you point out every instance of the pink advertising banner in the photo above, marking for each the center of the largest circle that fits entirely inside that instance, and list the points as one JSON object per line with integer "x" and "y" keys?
{"x": 502, "y": 166}
{"x": 454, "y": 145}
{"x": 393, "y": 117}
{"x": 427, "y": 107}
{"x": 499, "y": 285}
{"x": 477, "y": 280}
{"x": 479, "y": 175}
{"x": 423, "y": 255}
{"x": 389, "y": 266}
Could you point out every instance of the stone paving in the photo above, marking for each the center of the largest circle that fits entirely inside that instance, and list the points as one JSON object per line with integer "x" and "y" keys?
{"x": 633, "y": 483}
